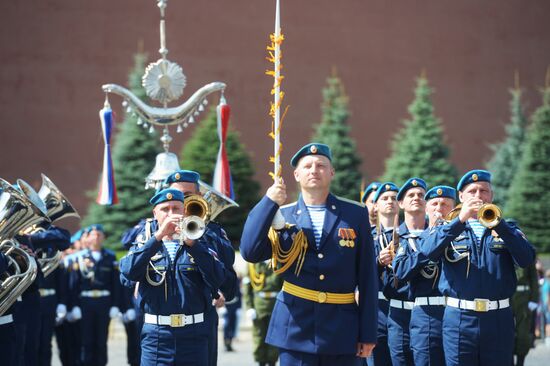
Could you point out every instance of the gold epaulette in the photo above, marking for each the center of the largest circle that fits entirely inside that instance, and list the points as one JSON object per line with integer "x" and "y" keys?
{"x": 287, "y": 258}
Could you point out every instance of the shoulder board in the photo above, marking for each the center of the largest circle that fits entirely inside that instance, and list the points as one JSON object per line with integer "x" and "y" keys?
{"x": 289, "y": 205}
{"x": 350, "y": 201}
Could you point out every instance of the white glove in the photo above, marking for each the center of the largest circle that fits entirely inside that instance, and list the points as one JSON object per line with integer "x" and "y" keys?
{"x": 129, "y": 316}
{"x": 113, "y": 313}
{"x": 532, "y": 305}
{"x": 60, "y": 312}
{"x": 251, "y": 314}
{"x": 76, "y": 314}
{"x": 222, "y": 311}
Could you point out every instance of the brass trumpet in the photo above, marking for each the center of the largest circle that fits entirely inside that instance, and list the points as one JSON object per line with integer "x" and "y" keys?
{"x": 489, "y": 214}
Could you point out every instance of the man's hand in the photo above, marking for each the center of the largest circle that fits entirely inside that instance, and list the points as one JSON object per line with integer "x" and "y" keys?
{"x": 364, "y": 350}
{"x": 219, "y": 302}
{"x": 277, "y": 192}
{"x": 168, "y": 227}
{"x": 470, "y": 207}
{"x": 386, "y": 256}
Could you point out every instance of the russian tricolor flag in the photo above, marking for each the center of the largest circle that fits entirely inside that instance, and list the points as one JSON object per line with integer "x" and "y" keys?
{"x": 107, "y": 190}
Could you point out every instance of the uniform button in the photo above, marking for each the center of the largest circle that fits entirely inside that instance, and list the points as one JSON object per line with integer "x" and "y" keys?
{"x": 320, "y": 255}
{"x": 322, "y": 277}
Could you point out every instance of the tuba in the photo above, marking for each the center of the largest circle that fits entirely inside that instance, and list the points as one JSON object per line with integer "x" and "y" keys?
{"x": 202, "y": 208}
{"x": 17, "y": 212}
{"x": 58, "y": 207}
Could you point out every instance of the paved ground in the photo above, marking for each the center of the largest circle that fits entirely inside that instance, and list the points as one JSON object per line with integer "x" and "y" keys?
{"x": 539, "y": 356}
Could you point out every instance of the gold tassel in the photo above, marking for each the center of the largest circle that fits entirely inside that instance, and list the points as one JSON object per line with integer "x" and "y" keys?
{"x": 257, "y": 280}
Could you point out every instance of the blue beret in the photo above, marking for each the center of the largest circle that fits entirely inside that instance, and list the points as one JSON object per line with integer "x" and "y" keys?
{"x": 441, "y": 192}
{"x": 182, "y": 176}
{"x": 473, "y": 176}
{"x": 97, "y": 227}
{"x": 76, "y": 236}
{"x": 385, "y": 187}
{"x": 165, "y": 195}
{"x": 313, "y": 148}
{"x": 410, "y": 183}
{"x": 371, "y": 188}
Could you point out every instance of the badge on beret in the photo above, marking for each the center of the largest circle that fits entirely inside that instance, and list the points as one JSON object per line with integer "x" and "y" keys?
{"x": 374, "y": 187}
{"x": 414, "y": 182}
{"x": 169, "y": 196}
{"x": 313, "y": 149}
{"x": 177, "y": 176}
{"x": 439, "y": 191}
{"x": 475, "y": 177}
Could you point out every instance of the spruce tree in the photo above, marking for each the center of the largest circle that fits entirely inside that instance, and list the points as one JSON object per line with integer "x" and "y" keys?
{"x": 507, "y": 154}
{"x": 529, "y": 192}
{"x": 200, "y": 153}
{"x": 334, "y": 131}
{"x": 418, "y": 149}
{"x": 134, "y": 153}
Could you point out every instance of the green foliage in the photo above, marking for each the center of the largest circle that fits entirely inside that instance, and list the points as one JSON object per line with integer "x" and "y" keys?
{"x": 335, "y": 132}
{"x": 529, "y": 192}
{"x": 418, "y": 149}
{"x": 507, "y": 154}
{"x": 200, "y": 153}
{"x": 134, "y": 152}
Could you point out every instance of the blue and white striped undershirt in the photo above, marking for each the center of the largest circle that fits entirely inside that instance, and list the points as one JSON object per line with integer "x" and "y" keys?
{"x": 317, "y": 216}
{"x": 477, "y": 228}
{"x": 416, "y": 233}
{"x": 171, "y": 247}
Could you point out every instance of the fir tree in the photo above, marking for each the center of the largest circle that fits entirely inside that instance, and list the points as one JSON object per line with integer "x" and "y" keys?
{"x": 200, "y": 153}
{"x": 507, "y": 154}
{"x": 418, "y": 149}
{"x": 334, "y": 131}
{"x": 134, "y": 153}
{"x": 529, "y": 192}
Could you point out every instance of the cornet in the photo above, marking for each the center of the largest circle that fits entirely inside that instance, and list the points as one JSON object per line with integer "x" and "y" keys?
{"x": 489, "y": 215}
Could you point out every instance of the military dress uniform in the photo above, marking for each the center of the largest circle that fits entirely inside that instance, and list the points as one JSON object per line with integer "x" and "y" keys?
{"x": 478, "y": 278}
{"x": 524, "y": 301}
{"x": 411, "y": 265}
{"x": 315, "y": 315}
{"x": 98, "y": 292}
{"x": 261, "y": 289}
{"x": 175, "y": 295}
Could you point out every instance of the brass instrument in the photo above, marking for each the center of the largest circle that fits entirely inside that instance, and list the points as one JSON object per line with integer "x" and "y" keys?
{"x": 489, "y": 214}
{"x": 17, "y": 212}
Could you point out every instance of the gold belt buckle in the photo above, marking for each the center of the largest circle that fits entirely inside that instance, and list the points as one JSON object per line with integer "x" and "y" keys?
{"x": 322, "y": 297}
{"x": 95, "y": 293}
{"x": 482, "y": 305}
{"x": 177, "y": 320}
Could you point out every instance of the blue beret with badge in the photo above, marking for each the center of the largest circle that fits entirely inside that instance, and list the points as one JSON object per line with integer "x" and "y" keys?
{"x": 76, "y": 236}
{"x": 313, "y": 148}
{"x": 385, "y": 187}
{"x": 473, "y": 176}
{"x": 441, "y": 192}
{"x": 370, "y": 188}
{"x": 96, "y": 227}
{"x": 411, "y": 183}
{"x": 189, "y": 176}
{"x": 165, "y": 195}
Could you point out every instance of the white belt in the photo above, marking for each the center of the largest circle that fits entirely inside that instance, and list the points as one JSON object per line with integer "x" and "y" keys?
{"x": 407, "y": 305}
{"x": 6, "y": 319}
{"x": 480, "y": 305}
{"x": 432, "y": 300}
{"x": 381, "y": 296}
{"x": 46, "y": 292}
{"x": 267, "y": 294}
{"x": 95, "y": 293}
{"x": 174, "y": 320}
{"x": 522, "y": 288}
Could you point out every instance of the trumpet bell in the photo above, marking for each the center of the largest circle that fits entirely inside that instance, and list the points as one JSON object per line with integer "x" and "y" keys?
{"x": 489, "y": 215}
{"x": 192, "y": 228}
{"x": 196, "y": 205}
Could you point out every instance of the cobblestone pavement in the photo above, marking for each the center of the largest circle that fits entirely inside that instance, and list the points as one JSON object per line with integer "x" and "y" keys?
{"x": 539, "y": 356}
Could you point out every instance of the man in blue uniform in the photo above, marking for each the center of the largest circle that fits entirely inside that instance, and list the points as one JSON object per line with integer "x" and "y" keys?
{"x": 478, "y": 277}
{"x": 411, "y": 200}
{"x": 368, "y": 199}
{"x": 387, "y": 209}
{"x": 326, "y": 252}
{"x": 175, "y": 286}
{"x": 423, "y": 276}
{"x": 98, "y": 287}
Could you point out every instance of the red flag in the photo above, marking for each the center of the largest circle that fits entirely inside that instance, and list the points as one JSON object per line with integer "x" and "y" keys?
{"x": 222, "y": 174}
